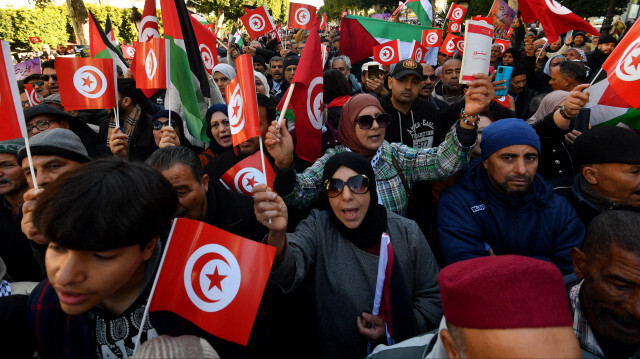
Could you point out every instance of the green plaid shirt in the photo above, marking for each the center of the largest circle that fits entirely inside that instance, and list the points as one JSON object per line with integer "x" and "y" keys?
{"x": 430, "y": 164}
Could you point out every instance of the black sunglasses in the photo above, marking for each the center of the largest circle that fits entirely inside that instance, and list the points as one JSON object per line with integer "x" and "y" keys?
{"x": 46, "y": 77}
{"x": 158, "y": 125}
{"x": 366, "y": 121}
{"x": 358, "y": 184}
{"x": 431, "y": 77}
{"x": 36, "y": 83}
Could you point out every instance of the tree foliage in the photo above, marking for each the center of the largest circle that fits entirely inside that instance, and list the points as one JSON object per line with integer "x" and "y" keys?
{"x": 589, "y": 8}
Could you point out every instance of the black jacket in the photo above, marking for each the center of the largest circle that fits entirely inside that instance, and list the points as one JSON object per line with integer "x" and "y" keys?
{"x": 142, "y": 143}
{"x": 94, "y": 144}
{"x": 15, "y": 250}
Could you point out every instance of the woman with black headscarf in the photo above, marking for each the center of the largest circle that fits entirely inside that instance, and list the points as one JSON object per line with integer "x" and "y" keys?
{"x": 366, "y": 264}
{"x": 218, "y": 131}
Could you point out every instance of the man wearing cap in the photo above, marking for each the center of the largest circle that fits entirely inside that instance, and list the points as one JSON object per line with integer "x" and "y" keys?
{"x": 14, "y": 246}
{"x": 500, "y": 205}
{"x": 608, "y": 158}
{"x": 41, "y": 86}
{"x": 290, "y": 65}
{"x": 595, "y": 58}
{"x": 519, "y": 91}
{"x": 375, "y": 87}
{"x": 496, "y": 307}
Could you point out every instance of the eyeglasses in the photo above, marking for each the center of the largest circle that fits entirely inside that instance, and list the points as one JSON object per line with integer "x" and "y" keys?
{"x": 431, "y": 77}
{"x": 366, "y": 121}
{"x": 40, "y": 126}
{"x": 36, "y": 83}
{"x": 358, "y": 184}
{"x": 46, "y": 77}
{"x": 158, "y": 125}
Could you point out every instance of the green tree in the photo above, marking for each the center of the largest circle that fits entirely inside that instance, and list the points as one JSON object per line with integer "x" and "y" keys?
{"x": 44, "y": 23}
{"x": 589, "y": 8}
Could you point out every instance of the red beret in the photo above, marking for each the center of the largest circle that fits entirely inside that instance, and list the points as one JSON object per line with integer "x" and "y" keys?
{"x": 503, "y": 292}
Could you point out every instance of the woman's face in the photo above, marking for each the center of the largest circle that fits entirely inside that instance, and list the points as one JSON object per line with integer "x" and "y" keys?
{"x": 350, "y": 208}
{"x": 260, "y": 86}
{"x": 507, "y": 59}
{"x": 372, "y": 138}
{"x": 220, "y": 129}
{"x": 221, "y": 81}
{"x": 157, "y": 134}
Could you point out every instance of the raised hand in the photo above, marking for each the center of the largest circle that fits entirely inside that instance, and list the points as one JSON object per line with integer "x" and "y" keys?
{"x": 28, "y": 228}
{"x": 479, "y": 94}
{"x": 279, "y": 143}
{"x": 118, "y": 143}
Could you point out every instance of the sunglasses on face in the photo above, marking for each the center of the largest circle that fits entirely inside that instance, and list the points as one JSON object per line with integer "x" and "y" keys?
{"x": 431, "y": 77}
{"x": 36, "y": 83}
{"x": 366, "y": 121}
{"x": 158, "y": 125}
{"x": 46, "y": 77}
{"x": 358, "y": 184}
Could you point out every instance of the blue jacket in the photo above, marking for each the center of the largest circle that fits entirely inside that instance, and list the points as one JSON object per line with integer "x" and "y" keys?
{"x": 474, "y": 217}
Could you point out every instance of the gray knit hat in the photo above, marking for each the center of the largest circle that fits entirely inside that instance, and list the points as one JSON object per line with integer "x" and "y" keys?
{"x": 11, "y": 146}
{"x": 56, "y": 142}
{"x": 186, "y": 346}
{"x": 52, "y": 99}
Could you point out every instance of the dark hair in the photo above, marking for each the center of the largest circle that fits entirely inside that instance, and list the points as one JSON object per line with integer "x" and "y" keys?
{"x": 276, "y": 59}
{"x": 177, "y": 120}
{"x": 106, "y": 204}
{"x": 168, "y": 157}
{"x": 127, "y": 88}
{"x": 335, "y": 85}
{"x": 617, "y": 227}
{"x": 267, "y": 103}
{"x": 48, "y": 65}
{"x": 517, "y": 56}
{"x": 574, "y": 70}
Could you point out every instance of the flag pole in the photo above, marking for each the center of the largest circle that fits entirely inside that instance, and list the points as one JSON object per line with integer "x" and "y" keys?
{"x": 264, "y": 168}
{"x": 286, "y": 103}
{"x": 543, "y": 46}
{"x": 153, "y": 288}
{"x": 595, "y": 77}
{"x": 30, "y": 159}
{"x": 116, "y": 111}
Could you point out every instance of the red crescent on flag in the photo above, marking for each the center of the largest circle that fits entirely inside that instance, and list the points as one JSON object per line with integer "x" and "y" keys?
{"x": 98, "y": 80}
{"x": 197, "y": 270}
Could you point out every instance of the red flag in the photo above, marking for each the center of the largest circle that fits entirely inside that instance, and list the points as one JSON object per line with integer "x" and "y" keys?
{"x": 418, "y": 52}
{"x": 212, "y": 278}
{"x": 12, "y": 120}
{"x": 622, "y": 67}
{"x": 456, "y": 12}
{"x": 248, "y": 173}
{"x": 397, "y": 9}
{"x": 242, "y": 102}
{"x": 455, "y": 26}
{"x": 34, "y": 39}
{"x": 154, "y": 65}
{"x": 554, "y": 17}
{"x": 387, "y": 53}
{"x": 149, "y": 24}
{"x": 86, "y": 83}
{"x": 460, "y": 44}
{"x": 432, "y": 38}
{"x": 32, "y": 95}
{"x": 257, "y": 21}
{"x": 207, "y": 43}
{"x": 449, "y": 44}
{"x": 504, "y": 44}
{"x": 487, "y": 20}
{"x": 128, "y": 51}
{"x": 279, "y": 32}
{"x": 301, "y": 16}
{"x": 323, "y": 24}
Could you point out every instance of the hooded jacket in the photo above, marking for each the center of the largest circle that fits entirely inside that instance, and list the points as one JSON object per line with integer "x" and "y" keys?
{"x": 473, "y": 217}
{"x": 418, "y": 128}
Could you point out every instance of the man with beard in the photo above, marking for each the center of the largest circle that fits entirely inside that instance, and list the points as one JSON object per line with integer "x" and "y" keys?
{"x": 276, "y": 73}
{"x": 595, "y": 59}
{"x": 606, "y": 315}
{"x": 449, "y": 89}
{"x": 499, "y": 205}
{"x": 429, "y": 80}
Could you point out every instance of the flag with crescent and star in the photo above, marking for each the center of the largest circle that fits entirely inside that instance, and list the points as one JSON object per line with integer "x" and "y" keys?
{"x": 148, "y": 30}
{"x": 555, "y": 18}
{"x": 12, "y": 122}
{"x": 257, "y": 21}
{"x": 301, "y": 16}
{"x": 207, "y": 43}
{"x": 86, "y": 83}
{"x": 32, "y": 95}
{"x": 242, "y": 102}
{"x": 622, "y": 66}
{"x": 246, "y": 174}
{"x": 387, "y": 53}
{"x": 212, "y": 278}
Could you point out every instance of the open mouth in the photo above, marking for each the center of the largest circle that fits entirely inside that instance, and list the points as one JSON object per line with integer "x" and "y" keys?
{"x": 350, "y": 213}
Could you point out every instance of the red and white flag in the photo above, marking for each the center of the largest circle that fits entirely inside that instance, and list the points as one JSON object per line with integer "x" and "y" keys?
{"x": 12, "y": 121}
{"x": 242, "y": 102}
{"x": 128, "y": 51}
{"x": 504, "y": 44}
{"x": 34, "y": 40}
{"x": 153, "y": 64}
{"x": 460, "y": 44}
{"x": 86, "y": 83}
{"x": 257, "y": 21}
{"x": 323, "y": 24}
{"x": 449, "y": 44}
{"x": 487, "y": 20}
{"x": 622, "y": 66}
{"x": 432, "y": 38}
{"x": 207, "y": 44}
{"x": 555, "y": 18}
{"x": 456, "y": 12}
{"x": 418, "y": 52}
{"x": 212, "y": 278}
{"x": 279, "y": 32}
{"x": 246, "y": 174}
{"x": 149, "y": 24}
{"x": 301, "y": 16}
{"x": 387, "y": 53}
{"x": 32, "y": 95}
{"x": 455, "y": 26}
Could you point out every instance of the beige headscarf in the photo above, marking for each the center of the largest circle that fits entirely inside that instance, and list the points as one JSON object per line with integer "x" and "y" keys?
{"x": 548, "y": 105}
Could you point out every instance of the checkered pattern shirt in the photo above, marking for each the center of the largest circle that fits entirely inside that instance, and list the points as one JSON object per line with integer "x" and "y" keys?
{"x": 436, "y": 163}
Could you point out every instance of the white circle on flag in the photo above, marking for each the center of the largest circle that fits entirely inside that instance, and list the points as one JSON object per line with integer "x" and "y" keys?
{"x": 256, "y": 22}
{"x": 90, "y": 82}
{"x": 627, "y": 67}
{"x": 34, "y": 97}
{"x": 302, "y": 16}
{"x": 151, "y": 64}
{"x": 455, "y": 27}
{"x": 149, "y": 30}
{"x": 387, "y": 53}
{"x": 131, "y": 51}
{"x": 314, "y": 102}
{"x": 557, "y": 8}
{"x": 456, "y": 14}
{"x": 460, "y": 46}
{"x": 207, "y": 57}
{"x": 247, "y": 178}
{"x": 450, "y": 46}
{"x": 419, "y": 55}
{"x": 212, "y": 277}
{"x": 236, "y": 110}
{"x": 432, "y": 38}
{"x": 502, "y": 49}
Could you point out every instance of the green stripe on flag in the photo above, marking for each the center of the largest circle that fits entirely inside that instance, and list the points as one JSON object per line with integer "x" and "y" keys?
{"x": 631, "y": 118}
{"x": 391, "y": 30}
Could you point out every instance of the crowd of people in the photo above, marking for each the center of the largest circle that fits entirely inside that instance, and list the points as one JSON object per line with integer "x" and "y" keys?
{"x": 441, "y": 220}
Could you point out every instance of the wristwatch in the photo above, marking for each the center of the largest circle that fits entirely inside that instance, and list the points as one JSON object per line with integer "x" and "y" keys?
{"x": 563, "y": 114}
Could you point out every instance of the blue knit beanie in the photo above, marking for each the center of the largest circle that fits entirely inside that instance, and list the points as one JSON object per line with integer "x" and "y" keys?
{"x": 507, "y": 132}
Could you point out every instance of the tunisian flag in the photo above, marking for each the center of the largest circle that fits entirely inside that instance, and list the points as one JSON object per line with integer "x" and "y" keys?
{"x": 86, "y": 83}
{"x": 206, "y": 44}
{"x": 456, "y": 13}
{"x": 247, "y": 173}
{"x": 148, "y": 30}
{"x": 242, "y": 102}
{"x": 257, "y": 21}
{"x": 301, "y": 16}
{"x": 32, "y": 95}
{"x": 12, "y": 121}
{"x": 432, "y": 38}
{"x": 554, "y": 17}
{"x": 153, "y": 64}
{"x": 387, "y": 53}
{"x": 622, "y": 67}
{"x": 212, "y": 278}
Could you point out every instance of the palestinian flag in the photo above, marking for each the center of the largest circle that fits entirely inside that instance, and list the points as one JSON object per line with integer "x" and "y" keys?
{"x": 108, "y": 30}
{"x": 422, "y": 9}
{"x": 360, "y": 34}
{"x": 609, "y": 109}
{"x": 101, "y": 48}
{"x": 235, "y": 37}
{"x": 187, "y": 70}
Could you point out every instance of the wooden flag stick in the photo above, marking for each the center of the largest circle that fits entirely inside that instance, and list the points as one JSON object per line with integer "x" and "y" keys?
{"x": 286, "y": 103}
{"x": 30, "y": 159}
{"x": 222, "y": 44}
{"x": 264, "y": 168}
